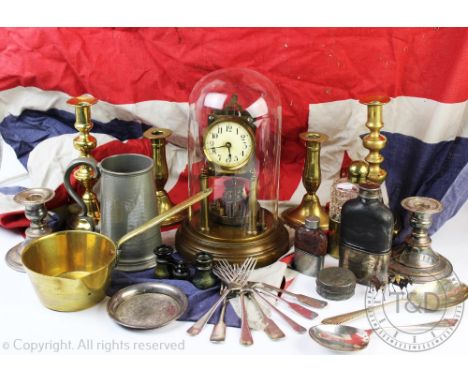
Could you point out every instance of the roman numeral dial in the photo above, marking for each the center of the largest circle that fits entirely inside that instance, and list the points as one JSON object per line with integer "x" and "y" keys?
{"x": 228, "y": 144}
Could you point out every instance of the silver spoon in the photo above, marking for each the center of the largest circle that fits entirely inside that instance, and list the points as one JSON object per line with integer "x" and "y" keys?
{"x": 434, "y": 296}
{"x": 349, "y": 338}
{"x": 304, "y": 312}
{"x": 270, "y": 328}
{"x": 298, "y": 328}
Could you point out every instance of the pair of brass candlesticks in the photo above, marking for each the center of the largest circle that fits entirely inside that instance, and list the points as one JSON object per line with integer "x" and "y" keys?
{"x": 84, "y": 142}
{"x": 311, "y": 175}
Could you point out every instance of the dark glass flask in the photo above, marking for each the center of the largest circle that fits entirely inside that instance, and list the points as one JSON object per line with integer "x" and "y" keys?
{"x": 366, "y": 236}
{"x": 310, "y": 246}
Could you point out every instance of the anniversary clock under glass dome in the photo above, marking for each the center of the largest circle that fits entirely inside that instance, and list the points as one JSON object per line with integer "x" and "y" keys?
{"x": 234, "y": 144}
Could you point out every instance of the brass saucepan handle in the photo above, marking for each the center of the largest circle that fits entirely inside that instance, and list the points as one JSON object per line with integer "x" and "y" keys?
{"x": 158, "y": 219}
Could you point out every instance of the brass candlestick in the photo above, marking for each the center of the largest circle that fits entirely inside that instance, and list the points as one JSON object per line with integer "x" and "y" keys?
{"x": 85, "y": 143}
{"x": 158, "y": 138}
{"x": 374, "y": 141}
{"x": 33, "y": 200}
{"x": 311, "y": 178}
{"x": 415, "y": 259}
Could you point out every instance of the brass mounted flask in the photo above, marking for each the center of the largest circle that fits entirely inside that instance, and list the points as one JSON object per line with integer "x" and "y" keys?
{"x": 84, "y": 142}
{"x": 311, "y": 179}
{"x": 158, "y": 138}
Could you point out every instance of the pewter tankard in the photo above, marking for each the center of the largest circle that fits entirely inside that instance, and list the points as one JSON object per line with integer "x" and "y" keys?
{"x": 127, "y": 201}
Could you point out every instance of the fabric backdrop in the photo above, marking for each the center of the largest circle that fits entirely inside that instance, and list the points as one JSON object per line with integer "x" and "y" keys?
{"x": 143, "y": 77}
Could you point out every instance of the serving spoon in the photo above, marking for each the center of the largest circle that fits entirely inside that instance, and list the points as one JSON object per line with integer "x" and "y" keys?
{"x": 433, "y": 296}
{"x": 349, "y": 338}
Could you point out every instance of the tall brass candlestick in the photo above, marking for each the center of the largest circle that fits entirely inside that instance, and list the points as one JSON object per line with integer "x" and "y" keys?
{"x": 158, "y": 138}
{"x": 311, "y": 178}
{"x": 374, "y": 141}
{"x": 85, "y": 143}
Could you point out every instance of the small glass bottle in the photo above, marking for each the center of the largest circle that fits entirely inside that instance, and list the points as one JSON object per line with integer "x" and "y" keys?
{"x": 310, "y": 245}
{"x": 203, "y": 277}
{"x": 163, "y": 262}
{"x": 342, "y": 190}
{"x": 366, "y": 236}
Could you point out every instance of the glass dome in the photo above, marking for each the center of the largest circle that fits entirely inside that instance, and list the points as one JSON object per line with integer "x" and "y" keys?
{"x": 234, "y": 144}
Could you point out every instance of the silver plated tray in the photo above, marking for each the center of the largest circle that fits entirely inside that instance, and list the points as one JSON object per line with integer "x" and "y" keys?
{"x": 147, "y": 305}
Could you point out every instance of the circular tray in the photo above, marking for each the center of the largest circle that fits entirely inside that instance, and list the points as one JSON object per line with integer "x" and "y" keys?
{"x": 147, "y": 305}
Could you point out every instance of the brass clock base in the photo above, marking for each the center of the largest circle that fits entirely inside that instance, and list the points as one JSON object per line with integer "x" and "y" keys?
{"x": 231, "y": 243}
{"x": 310, "y": 205}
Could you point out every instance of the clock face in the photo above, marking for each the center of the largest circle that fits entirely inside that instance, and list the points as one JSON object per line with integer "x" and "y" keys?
{"x": 228, "y": 144}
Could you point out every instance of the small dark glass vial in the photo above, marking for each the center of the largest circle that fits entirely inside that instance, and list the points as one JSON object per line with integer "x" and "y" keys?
{"x": 180, "y": 270}
{"x": 163, "y": 268}
{"x": 310, "y": 245}
{"x": 366, "y": 235}
{"x": 203, "y": 277}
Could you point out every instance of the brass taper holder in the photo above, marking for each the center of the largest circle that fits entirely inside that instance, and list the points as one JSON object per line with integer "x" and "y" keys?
{"x": 311, "y": 179}
{"x": 158, "y": 138}
{"x": 84, "y": 142}
{"x": 416, "y": 259}
{"x": 375, "y": 142}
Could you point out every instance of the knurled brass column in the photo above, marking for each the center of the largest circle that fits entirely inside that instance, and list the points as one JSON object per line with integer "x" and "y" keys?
{"x": 375, "y": 141}
{"x": 311, "y": 179}
{"x": 158, "y": 138}
{"x": 85, "y": 143}
{"x": 204, "y": 225}
{"x": 252, "y": 228}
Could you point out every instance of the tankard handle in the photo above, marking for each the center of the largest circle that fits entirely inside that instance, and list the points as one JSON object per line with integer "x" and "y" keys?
{"x": 74, "y": 195}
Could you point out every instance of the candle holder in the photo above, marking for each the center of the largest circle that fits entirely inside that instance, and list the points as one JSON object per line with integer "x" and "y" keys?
{"x": 158, "y": 138}
{"x": 415, "y": 259}
{"x": 85, "y": 143}
{"x": 33, "y": 200}
{"x": 375, "y": 142}
{"x": 311, "y": 179}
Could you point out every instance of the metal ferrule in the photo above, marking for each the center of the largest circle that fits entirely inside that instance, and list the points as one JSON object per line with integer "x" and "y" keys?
{"x": 366, "y": 266}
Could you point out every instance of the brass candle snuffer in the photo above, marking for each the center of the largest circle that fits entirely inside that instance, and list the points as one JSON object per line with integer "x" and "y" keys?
{"x": 415, "y": 259}
{"x": 33, "y": 200}
{"x": 158, "y": 138}
{"x": 84, "y": 142}
{"x": 311, "y": 179}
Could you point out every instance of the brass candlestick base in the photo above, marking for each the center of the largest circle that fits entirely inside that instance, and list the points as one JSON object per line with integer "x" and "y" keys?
{"x": 34, "y": 201}
{"x": 311, "y": 178}
{"x": 230, "y": 242}
{"x": 158, "y": 139}
{"x": 85, "y": 143}
{"x": 415, "y": 259}
{"x": 374, "y": 141}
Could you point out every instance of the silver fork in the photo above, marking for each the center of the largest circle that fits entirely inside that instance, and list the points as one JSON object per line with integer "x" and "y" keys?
{"x": 234, "y": 280}
{"x": 219, "y": 330}
{"x": 246, "y": 335}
